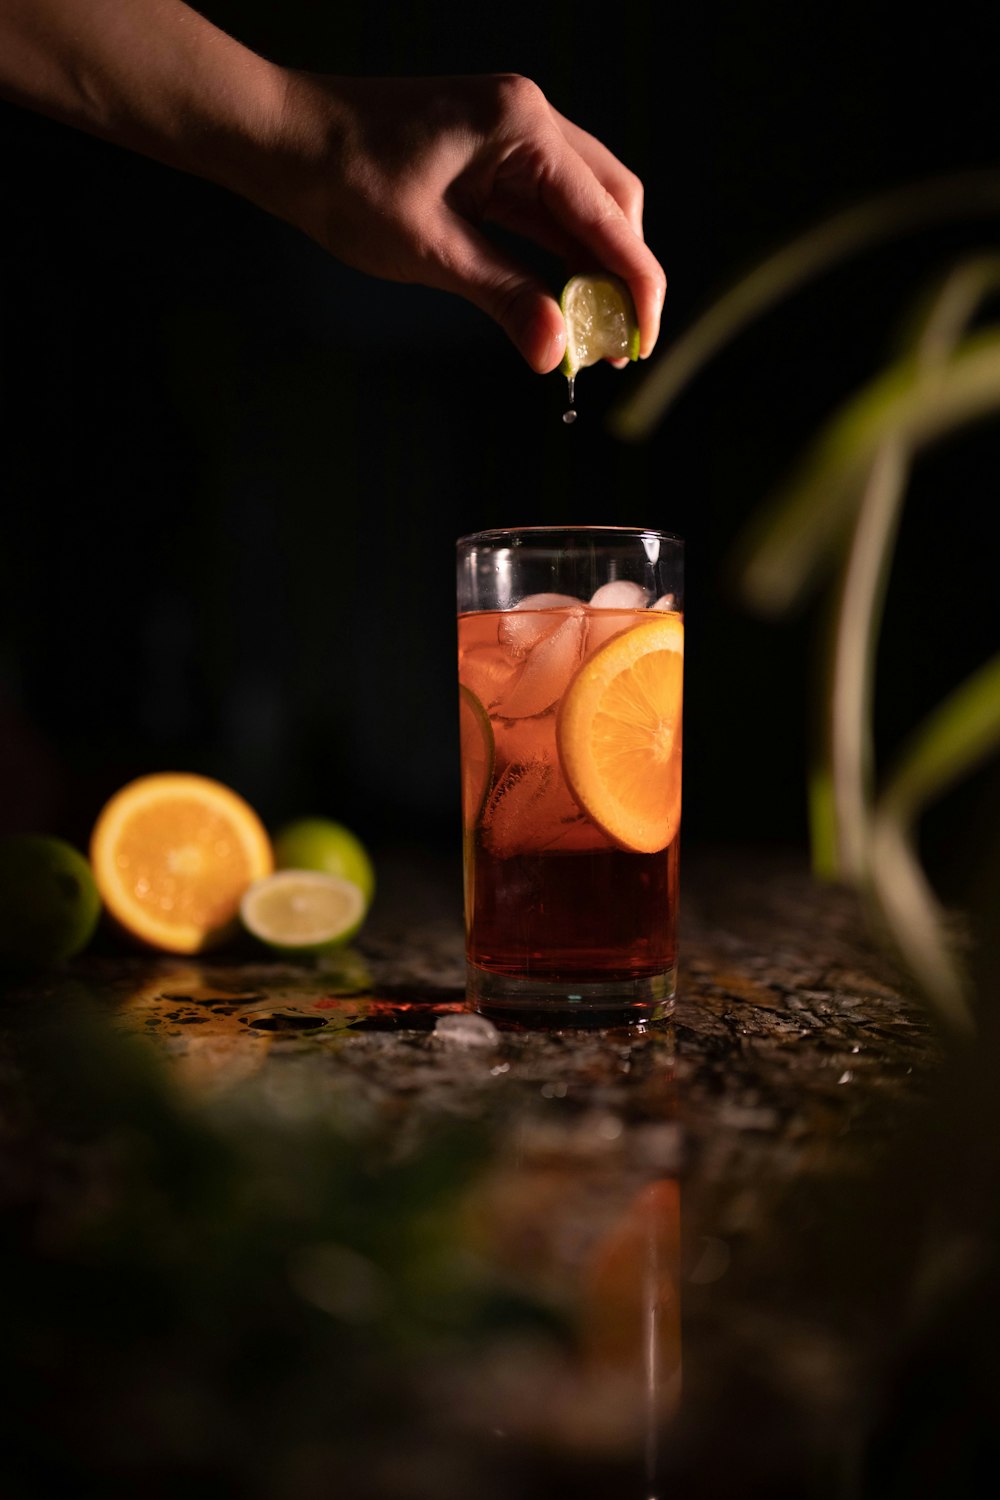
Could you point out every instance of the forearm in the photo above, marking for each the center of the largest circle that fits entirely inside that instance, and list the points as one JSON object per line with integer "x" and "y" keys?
{"x": 150, "y": 75}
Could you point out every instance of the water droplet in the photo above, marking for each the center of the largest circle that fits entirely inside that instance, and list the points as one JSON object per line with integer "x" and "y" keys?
{"x": 279, "y": 1021}
{"x": 570, "y": 416}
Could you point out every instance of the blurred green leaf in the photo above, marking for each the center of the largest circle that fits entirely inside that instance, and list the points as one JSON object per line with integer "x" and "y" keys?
{"x": 845, "y": 753}
{"x": 915, "y": 922}
{"x": 955, "y": 738}
{"x": 838, "y": 513}
{"x": 801, "y": 533}
{"x": 973, "y": 194}
{"x": 940, "y": 318}
{"x": 844, "y": 756}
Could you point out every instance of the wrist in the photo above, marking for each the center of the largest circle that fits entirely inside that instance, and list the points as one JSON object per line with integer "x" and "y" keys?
{"x": 301, "y": 163}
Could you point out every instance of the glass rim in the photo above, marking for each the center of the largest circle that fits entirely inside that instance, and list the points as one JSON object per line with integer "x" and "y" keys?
{"x": 626, "y": 533}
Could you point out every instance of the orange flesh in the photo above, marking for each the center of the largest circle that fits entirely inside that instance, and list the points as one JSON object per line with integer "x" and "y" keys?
{"x": 633, "y": 740}
{"x": 172, "y": 856}
{"x": 184, "y": 861}
{"x": 619, "y": 735}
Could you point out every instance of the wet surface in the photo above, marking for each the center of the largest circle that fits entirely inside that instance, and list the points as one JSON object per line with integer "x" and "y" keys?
{"x": 704, "y": 1222}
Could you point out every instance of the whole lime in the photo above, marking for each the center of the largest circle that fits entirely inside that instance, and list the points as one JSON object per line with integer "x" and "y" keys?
{"x": 49, "y": 901}
{"x": 322, "y": 844}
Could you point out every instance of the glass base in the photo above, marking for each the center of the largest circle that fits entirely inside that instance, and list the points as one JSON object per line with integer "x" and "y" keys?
{"x": 534, "y": 1002}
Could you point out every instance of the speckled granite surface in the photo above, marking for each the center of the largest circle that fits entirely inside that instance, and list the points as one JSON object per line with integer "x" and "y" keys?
{"x": 717, "y": 1215}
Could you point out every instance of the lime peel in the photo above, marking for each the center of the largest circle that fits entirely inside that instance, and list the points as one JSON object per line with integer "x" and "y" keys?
{"x": 49, "y": 901}
{"x": 478, "y": 755}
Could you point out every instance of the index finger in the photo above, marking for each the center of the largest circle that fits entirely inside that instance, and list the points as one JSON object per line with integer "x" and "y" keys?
{"x": 583, "y": 206}
{"x": 621, "y": 182}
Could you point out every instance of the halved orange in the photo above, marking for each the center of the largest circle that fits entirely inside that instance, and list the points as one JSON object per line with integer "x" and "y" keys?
{"x": 478, "y": 753}
{"x": 172, "y": 854}
{"x": 619, "y": 735}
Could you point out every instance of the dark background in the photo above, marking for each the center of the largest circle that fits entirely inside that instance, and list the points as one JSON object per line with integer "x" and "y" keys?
{"x": 233, "y": 471}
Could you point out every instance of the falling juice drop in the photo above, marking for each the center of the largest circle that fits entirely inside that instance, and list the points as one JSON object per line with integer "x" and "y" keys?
{"x": 570, "y": 416}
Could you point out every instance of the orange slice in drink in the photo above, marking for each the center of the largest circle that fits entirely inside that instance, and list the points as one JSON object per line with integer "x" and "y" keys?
{"x": 619, "y": 735}
{"x": 478, "y": 753}
{"x": 172, "y": 854}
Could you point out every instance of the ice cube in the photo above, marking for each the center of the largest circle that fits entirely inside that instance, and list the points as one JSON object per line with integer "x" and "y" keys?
{"x": 619, "y": 594}
{"x": 529, "y": 809}
{"x": 547, "y": 670}
{"x": 486, "y": 673}
{"x": 467, "y": 1030}
{"x": 546, "y": 601}
{"x": 519, "y": 741}
{"x": 665, "y": 601}
{"x": 531, "y": 620}
{"x": 606, "y": 623}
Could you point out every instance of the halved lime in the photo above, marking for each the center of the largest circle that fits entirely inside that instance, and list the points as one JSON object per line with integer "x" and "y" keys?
{"x": 303, "y": 911}
{"x": 601, "y": 321}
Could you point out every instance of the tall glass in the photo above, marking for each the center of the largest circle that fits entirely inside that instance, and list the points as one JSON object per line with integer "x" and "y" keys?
{"x": 570, "y": 652}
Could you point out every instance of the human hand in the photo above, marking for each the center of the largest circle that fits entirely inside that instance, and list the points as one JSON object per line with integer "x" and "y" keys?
{"x": 399, "y": 177}
{"x": 403, "y": 177}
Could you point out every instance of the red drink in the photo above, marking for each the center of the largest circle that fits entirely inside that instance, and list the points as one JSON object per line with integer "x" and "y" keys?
{"x": 601, "y": 915}
{"x": 568, "y": 888}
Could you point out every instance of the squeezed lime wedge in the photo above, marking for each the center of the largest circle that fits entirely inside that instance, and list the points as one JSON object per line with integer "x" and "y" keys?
{"x": 601, "y": 321}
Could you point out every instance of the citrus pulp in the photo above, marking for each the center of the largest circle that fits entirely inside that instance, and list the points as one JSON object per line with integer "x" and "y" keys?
{"x": 172, "y": 854}
{"x": 303, "y": 911}
{"x": 619, "y": 735}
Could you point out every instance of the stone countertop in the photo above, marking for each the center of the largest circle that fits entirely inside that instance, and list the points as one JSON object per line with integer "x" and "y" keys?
{"x": 433, "y": 1257}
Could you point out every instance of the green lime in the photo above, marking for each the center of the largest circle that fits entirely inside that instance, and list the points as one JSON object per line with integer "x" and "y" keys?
{"x": 478, "y": 753}
{"x": 303, "y": 911}
{"x": 49, "y": 901}
{"x": 322, "y": 844}
{"x": 600, "y": 319}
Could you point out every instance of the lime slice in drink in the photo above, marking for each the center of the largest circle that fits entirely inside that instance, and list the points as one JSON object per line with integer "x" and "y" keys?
{"x": 600, "y": 319}
{"x": 303, "y": 911}
{"x": 478, "y": 754}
